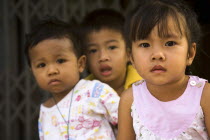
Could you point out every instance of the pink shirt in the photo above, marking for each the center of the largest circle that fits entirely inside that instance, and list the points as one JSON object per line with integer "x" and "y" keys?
{"x": 154, "y": 119}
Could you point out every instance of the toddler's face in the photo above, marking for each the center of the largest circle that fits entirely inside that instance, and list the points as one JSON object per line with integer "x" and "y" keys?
{"x": 106, "y": 55}
{"x": 55, "y": 66}
{"x": 162, "y": 60}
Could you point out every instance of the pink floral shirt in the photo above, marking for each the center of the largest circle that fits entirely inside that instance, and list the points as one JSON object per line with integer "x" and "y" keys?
{"x": 94, "y": 106}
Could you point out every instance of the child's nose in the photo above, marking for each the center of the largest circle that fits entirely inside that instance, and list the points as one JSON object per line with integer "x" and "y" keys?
{"x": 158, "y": 55}
{"x": 104, "y": 56}
{"x": 52, "y": 70}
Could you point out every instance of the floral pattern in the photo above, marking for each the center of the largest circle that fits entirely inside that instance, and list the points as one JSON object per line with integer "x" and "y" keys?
{"x": 94, "y": 107}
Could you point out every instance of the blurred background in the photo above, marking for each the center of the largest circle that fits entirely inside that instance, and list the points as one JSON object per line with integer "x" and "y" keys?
{"x": 19, "y": 95}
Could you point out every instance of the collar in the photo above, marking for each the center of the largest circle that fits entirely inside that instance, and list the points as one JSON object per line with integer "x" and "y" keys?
{"x": 131, "y": 77}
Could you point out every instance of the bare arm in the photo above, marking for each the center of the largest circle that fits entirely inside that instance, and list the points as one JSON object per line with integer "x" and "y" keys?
{"x": 205, "y": 103}
{"x": 125, "y": 121}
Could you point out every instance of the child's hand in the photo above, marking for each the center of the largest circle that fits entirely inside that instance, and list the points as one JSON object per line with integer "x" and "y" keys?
{"x": 195, "y": 135}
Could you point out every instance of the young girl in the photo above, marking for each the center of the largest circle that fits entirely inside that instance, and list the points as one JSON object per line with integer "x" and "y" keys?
{"x": 78, "y": 109}
{"x": 167, "y": 104}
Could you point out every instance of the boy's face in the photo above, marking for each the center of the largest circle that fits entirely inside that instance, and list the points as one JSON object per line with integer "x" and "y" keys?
{"x": 106, "y": 55}
{"x": 55, "y": 65}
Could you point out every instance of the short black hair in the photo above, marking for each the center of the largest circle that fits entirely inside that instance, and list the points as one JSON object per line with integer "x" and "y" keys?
{"x": 103, "y": 18}
{"x": 146, "y": 16}
{"x": 52, "y": 28}
{"x": 140, "y": 22}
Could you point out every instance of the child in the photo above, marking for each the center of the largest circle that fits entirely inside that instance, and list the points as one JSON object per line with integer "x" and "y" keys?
{"x": 104, "y": 43}
{"x": 78, "y": 109}
{"x": 167, "y": 104}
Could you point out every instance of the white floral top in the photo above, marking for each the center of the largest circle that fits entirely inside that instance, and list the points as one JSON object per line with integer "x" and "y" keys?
{"x": 94, "y": 106}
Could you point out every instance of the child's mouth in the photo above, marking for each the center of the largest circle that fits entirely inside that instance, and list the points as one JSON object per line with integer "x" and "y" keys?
{"x": 158, "y": 69}
{"x": 105, "y": 70}
{"x": 54, "y": 82}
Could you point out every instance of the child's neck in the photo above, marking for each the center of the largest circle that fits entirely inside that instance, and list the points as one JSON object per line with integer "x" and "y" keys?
{"x": 120, "y": 90}
{"x": 117, "y": 86}
{"x": 57, "y": 97}
{"x": 169, "y": 92}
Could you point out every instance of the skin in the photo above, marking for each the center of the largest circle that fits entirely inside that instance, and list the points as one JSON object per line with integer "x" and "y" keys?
{"x": 173, "y": 55}
{"x": 107, "y": 50}
{"x": 56, "y": 67}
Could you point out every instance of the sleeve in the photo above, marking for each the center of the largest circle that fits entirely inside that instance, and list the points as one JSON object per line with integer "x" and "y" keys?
{"x": 41, "y": 134}
{"x": 110, "y": 101}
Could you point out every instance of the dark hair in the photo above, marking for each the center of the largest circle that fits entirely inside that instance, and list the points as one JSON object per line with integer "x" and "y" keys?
{"x": 145, "y": 17}
{"x": 52, "y": 28}
{"x": 102, "y": 19}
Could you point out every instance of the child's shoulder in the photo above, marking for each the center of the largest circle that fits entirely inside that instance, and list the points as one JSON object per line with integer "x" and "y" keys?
{"x": 127, "y": 96}
{"x": 205, "y": 104}
{"x": 132, "y": 76}
{"x": 205, "y": 100}
{"x": 94, "y": 82}
{"x": 98, "y": 86}
{"x": 206, "y": 89}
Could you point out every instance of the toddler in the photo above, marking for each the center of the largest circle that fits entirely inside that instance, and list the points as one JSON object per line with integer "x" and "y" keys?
{"x": 78, "y": 109}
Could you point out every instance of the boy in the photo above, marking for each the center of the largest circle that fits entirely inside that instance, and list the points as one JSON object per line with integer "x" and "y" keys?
{"x": 78, "y": 109}
{"x": 105, "y": 48}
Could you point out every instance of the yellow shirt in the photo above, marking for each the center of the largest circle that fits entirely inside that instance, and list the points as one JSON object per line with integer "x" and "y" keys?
{"x": 131, "y": 77}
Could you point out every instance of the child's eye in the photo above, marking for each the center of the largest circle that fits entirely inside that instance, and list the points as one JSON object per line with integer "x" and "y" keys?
{"x": 112, "y": 47}
{"x": 41, "y": 65}
{"x": 60, "y": 61}
{"x": 170, "y": 43}
{"x": 144, "y": 45}
{"x": 92, "y": 51}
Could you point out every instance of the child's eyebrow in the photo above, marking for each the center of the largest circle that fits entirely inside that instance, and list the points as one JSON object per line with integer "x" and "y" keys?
{"x": 40, "y": 59}
{"x": 91, "y": 45}
{"x": 60, "y": 55}
{"x": 106, "y": 42}
{"x": 110, "y": 41}
{"x": 176, "y": 36}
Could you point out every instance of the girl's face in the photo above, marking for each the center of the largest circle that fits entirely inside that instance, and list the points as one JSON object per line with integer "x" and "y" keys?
{"x": 162, "y": 60}
{"x": 55, "y": 66}
{"x": 106, "y": 55}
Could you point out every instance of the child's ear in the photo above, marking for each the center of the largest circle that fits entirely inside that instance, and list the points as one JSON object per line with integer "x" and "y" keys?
{"x": 82, "y": 63}
{"x": 191, "y": 54}
{"x": 131, "y": 59}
